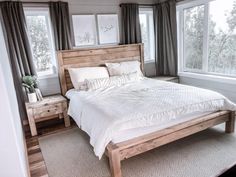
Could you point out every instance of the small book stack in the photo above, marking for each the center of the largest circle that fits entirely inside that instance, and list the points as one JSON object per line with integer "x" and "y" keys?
{"x": 39, "y": 94}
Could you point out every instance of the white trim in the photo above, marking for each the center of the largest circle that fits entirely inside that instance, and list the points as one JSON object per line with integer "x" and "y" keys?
{"x": 180, "y": 31}
{"x": 222, "y": 79}
{"x": 149, "y": 61}
{"x": 205, "y": 38}
{"x": 52, "y": 44}
{"x": 191, "y": 3}
{"x": 47, "y": 76}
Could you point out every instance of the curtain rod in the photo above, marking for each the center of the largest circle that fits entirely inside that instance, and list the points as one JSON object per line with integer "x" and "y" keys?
{"x": 34, "y": 2}
{"x": 37, "y": 2}
{"x": 160, "y": 1}
{"x": 146, "y": 4}
{"x": 44, "y": 2}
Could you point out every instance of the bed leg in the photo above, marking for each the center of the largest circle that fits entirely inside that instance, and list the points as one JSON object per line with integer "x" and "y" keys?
{"x": 229, "y": 125}
{"x": 115, "y": 165}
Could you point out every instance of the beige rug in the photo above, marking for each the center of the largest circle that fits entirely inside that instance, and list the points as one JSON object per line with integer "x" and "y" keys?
{"x": 68, "y": 154}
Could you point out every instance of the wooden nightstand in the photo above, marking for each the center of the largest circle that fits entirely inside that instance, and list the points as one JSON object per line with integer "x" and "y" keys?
{"x": 167, "y": 78}
{"x": 47, "y": 109}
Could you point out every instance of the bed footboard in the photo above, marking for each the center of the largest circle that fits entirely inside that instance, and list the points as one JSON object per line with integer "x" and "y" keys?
{"x": 120, "y": 151}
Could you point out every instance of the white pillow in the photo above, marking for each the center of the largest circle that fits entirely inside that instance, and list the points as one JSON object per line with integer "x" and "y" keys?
{"x": 117, "y": 69}
{"x": 78, "y": 75}
{"x": 94, "y": 84}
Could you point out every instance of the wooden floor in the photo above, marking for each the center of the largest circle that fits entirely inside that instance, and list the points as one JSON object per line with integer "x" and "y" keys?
{"x": 36, "y": 162}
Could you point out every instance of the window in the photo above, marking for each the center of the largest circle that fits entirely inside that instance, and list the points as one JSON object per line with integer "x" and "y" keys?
{"x": 207, "y": 36}
{"x": 147, "y": 30}
{"x": 40, "y": 35}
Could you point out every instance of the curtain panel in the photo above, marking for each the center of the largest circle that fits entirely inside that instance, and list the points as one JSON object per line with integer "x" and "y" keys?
{"x": 131, "y": 30}
{"x": 165, "y": 29}
{"x": 59, "y": 13}
{"x": 18, "y": 46}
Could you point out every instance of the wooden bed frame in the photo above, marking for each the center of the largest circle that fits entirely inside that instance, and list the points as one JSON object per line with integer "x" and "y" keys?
{"x": 120, "y": 151}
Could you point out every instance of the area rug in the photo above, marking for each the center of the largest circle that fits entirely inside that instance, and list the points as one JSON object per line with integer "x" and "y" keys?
{"x": 205, "y": 154}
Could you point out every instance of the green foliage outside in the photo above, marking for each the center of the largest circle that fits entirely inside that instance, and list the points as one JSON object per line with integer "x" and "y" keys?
{"x": 221, "y": 46}
{"x": 39, "y": 41}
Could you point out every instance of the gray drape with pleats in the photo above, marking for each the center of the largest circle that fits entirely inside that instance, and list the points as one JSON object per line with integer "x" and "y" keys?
{"x": 131, "y": 31}
{"x": 59, "y": 13}
{"x": 18, "y": 45}
{"x": 165, "y": 30}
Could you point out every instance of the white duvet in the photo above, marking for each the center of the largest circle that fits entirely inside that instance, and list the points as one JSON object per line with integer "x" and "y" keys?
{"x": 105, "y": 112}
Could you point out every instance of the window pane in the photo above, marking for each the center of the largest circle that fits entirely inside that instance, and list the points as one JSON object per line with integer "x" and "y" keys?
{"x": 193, "y": 37}
{"x": 222, "y": 37}
{"x": 147, "y": 32}
{"x": 144, "y": 31}
{"x": 41, "y": 44}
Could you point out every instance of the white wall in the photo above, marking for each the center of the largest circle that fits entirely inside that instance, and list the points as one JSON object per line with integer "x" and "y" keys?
{"x": 13, "y": 161}
{"x": 228, "y": 89}
{"x": 51, "y": 85}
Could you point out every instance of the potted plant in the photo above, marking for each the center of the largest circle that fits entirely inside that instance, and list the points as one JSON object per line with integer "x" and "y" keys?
{"x": 30, "y": 82}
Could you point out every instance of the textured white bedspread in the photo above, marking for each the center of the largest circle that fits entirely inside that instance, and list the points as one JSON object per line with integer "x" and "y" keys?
{"x": 106, "y": 112}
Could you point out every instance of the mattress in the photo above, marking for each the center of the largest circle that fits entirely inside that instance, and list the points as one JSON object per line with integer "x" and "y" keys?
{"x": 136, "y": 132}
{"x": 119, "y": 113}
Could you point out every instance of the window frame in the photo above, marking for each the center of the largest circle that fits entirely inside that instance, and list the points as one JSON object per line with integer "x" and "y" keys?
{"x": 181, "y": 6}
{"x": 147, "y": 11}
{"x": 34, "y": 11}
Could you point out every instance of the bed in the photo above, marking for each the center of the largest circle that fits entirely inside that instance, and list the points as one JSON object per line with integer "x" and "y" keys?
{"x": 134, "y": 140}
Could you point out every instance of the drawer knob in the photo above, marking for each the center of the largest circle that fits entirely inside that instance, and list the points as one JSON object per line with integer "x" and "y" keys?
{"x": 48, "y": 110}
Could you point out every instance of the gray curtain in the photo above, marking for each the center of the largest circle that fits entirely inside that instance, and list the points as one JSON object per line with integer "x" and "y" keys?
{"x": 59, "y": 13}
{"x": 165, "y": 30}
{"x": 131, "y": 31}
{"x": 19, "y": 50}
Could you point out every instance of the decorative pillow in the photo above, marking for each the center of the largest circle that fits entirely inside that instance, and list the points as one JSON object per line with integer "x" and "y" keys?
{"x": 94, "y": 84}
{"x": 78, "y": 75}
{"x": 117, "y": 69}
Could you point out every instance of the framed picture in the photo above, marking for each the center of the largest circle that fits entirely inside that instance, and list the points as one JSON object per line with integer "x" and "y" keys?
{"x": 108, "y": 28}
{"x": 84, "y": 27}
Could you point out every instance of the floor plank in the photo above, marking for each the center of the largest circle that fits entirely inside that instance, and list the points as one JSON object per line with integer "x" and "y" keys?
{"x": 37, "y": 164}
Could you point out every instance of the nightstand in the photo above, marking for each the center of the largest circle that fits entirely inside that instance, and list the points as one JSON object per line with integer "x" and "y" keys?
{"x": 46, "y": 109}
{"x": 167, "y": 78}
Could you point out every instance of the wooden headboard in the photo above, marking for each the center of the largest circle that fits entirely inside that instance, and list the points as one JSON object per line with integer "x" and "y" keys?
{"x": 91, "y": 57}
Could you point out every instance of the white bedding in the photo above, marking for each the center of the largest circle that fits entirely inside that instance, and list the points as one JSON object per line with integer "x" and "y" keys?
{"x": 105, "y": 113}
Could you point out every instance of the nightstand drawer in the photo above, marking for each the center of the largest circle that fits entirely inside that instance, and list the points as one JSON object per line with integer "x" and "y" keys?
{"x": 47, "y": 110}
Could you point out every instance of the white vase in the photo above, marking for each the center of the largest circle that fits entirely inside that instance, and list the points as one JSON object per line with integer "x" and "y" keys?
{"x": 32, "y": 97}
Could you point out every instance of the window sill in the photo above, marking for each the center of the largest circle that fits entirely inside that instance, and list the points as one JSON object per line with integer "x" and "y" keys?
{"x": 149, "y": 61}
{"x": 222, "y": 79}
{"x": 47, "y": 76}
